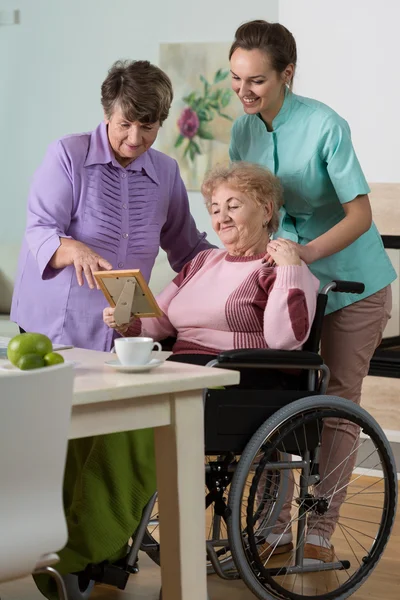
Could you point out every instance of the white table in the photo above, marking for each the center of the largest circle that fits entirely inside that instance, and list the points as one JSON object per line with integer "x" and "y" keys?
{"x": 170, "y": 400}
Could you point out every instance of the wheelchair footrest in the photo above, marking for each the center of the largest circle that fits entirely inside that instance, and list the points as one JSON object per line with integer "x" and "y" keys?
{"x": 297, "y": 570}
{"x": 116, "y": 574}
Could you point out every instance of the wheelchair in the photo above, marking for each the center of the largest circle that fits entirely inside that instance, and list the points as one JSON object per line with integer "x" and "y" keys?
{"x": 271, "y": 482}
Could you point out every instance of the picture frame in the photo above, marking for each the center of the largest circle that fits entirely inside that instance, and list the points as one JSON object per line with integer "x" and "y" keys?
{"x": 127, "y": 291}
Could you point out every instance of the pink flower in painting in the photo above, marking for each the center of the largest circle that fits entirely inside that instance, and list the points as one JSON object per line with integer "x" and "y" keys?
{"x": 188, "y": 123}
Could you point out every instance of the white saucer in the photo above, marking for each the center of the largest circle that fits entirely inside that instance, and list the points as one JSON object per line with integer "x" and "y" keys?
{"x": 152, "y": 364}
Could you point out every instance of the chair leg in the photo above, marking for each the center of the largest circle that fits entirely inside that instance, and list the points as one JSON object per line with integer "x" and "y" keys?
{"x": 160, "y": 596}
{"x": 62, "y": 592}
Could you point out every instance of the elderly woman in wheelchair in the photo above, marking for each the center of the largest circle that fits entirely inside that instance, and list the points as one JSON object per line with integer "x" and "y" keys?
{"x": 227, "y": 298}
{"x": 292, "y": 517}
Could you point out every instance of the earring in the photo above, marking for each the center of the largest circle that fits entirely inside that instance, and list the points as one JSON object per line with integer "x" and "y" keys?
{"x": 265, "y": 224}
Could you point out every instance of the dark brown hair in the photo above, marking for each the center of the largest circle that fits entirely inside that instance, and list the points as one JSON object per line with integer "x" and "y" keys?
{"x": 142, "y": 90}
{"x": 272, "y": 38}
{"x": 256, "y": 182}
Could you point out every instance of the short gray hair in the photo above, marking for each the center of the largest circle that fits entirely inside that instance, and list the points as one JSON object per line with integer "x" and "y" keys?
{"x": 142, "y": 90}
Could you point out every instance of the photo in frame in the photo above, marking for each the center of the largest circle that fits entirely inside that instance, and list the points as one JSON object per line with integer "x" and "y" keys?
{"x": 128, "y": 292}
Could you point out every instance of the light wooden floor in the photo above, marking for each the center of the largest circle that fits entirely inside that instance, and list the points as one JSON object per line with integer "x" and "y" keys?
{"x": 383, "y": 583}
{"x": 381, "y": 397}
{"x": 146, "y": 584}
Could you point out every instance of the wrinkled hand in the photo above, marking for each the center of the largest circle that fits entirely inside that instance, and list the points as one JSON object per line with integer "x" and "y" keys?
{"x": 284, "y": 252}
{"x": 108, "y": 318}
{"x": 86, "y": 261}
{"x": 306, "y": 253}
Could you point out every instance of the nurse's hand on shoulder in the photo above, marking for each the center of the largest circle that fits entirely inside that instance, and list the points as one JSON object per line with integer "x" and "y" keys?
{"x": 284, "y": 253}
{"x": 304, "y": 252}
{"x": 108, "y": 318}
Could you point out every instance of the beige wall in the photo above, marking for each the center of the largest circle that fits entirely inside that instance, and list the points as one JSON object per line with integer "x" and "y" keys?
{"x": 385, "y": 202}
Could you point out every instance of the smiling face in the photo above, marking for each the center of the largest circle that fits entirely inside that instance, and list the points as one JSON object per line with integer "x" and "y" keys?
{"x": 259, "y": 87}
{"x": 239, "y": 221}
{"x": 129, "y": 140}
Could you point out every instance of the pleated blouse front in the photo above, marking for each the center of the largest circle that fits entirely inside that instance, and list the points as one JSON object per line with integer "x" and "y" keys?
{"x": 81, "y": 191}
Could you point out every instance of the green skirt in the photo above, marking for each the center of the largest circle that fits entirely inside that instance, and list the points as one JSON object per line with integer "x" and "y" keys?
{"x": 108, "y": 481}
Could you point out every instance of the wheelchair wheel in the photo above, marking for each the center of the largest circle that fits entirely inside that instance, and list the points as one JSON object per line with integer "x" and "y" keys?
{"x": 342, "y": 471}
{"x": 216, "y": 531}
{"x": 78, "y": 587}
{"x": 273, "y": 485}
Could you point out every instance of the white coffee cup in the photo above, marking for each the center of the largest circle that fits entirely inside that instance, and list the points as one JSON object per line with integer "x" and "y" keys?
{"x": 135, "y": 350}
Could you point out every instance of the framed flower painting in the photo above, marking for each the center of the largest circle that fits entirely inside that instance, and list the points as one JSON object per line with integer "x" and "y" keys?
{"x": 197, "y": 131}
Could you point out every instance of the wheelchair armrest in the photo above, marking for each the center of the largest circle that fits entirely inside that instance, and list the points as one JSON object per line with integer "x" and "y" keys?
{"x": 255, "y": 356}
{"x": 340, "y": 285}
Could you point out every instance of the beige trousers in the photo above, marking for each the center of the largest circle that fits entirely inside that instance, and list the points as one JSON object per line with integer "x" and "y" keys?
{"x": 349, "y": 339}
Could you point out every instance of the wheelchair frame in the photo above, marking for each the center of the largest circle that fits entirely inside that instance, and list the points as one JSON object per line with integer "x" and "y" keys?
{"x": 219, "y": 475}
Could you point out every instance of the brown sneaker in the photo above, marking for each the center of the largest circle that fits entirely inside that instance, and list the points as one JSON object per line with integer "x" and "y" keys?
{"x": 266, "y": 550}
{"x": 326, "y": 555}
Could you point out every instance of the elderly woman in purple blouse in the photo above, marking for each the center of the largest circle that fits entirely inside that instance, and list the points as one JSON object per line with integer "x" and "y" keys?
{"x": 102, "y": 200}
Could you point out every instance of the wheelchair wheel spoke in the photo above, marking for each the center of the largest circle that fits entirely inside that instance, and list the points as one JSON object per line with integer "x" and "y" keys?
{"x": 338, "y": 507}
{"x": 347, "y": 535}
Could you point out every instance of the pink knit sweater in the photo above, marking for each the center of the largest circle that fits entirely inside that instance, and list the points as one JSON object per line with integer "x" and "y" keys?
{"x": 220, "y": 302}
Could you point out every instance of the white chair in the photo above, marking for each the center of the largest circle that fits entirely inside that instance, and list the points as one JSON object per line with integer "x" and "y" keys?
{"x": 35, "y": 411}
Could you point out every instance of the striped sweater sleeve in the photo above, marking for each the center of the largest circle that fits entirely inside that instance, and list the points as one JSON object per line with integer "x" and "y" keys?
{"x": 290, "y": 308}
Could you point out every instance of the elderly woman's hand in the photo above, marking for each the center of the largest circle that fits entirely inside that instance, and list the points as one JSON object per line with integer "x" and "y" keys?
{"x": 108, "y": 318}
{"x": 85, "y": 260}
{"x": 284, "y": 252}
{"x": 307, "y": 252}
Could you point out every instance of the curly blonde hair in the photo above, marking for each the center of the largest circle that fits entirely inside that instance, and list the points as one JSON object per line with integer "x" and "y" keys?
{"x": 255, "y": 181}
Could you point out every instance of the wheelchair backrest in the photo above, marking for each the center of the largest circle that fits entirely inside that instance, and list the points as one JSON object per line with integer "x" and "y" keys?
{"x": 314, "y": 339}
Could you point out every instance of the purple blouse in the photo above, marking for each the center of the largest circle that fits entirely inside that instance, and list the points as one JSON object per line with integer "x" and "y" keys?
{"x": 81, "y": 191}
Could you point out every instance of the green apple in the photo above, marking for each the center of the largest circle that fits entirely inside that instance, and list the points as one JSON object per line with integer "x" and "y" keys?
{"x": 30, "y": 361}
{"x": 28, "y": 343}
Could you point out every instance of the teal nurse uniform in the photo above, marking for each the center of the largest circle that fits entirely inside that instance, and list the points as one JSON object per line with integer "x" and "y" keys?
{"x": 311, "y": 151}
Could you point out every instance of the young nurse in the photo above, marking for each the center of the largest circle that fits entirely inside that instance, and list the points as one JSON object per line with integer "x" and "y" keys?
{"x": 328, "y": 218}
